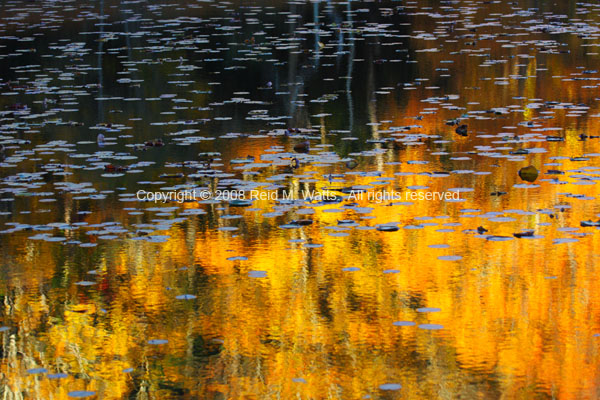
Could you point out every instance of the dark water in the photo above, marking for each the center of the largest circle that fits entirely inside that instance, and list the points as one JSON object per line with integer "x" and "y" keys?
{"x": 109, "y": 296}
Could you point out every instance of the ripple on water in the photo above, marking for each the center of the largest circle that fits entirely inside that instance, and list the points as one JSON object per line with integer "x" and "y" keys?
{"x": 81, "y": 393}
{"x": 428, "y": 309}
{"x": 85, "y": 283}
{"x": 237, "y": 258}
{"x": 185, "y": 297}
{"x": 439, "y": 246}
{"x": 404, "y": 323}
{"x": 390, "y": 386}
{"x": 157, "y": 342}
{"x": 57, "y": 376}
{"x": 431, "y": 327}
{"x": 257, "y": 274}
{"x": 34, "y": 371}
{"x": 450, "y": 258}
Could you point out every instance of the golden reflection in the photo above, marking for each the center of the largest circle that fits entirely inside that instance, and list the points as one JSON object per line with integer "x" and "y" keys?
{"x": 524, "y": 310}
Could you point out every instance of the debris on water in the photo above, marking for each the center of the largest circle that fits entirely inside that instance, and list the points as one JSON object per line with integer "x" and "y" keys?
{"x": 523, "y": 234}
{"x": 588, "y": 224}
{"x": 529, "y": 173}
{"x": 461, "y": 130}
{"x": 240, "y": 203}
{"x": 387, "y": 228}
{"x": 351, "y": 164}
{"x": 519, "y": 152}
{"x": 303, "y": 147}
{"x": 302, "y": 222}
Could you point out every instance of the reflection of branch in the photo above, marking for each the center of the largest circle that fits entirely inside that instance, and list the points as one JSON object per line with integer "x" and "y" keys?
{"x": 100, "y": 70}
{"x": 316, "y": 28}
{"x": 74, "y": 348}
{"x": 142, "y": 394}
{"x": 9, "y": 394}
{"x": 350, "y": 67}
{"x": 292, "y": 63}
{"x": 12, "y": 351}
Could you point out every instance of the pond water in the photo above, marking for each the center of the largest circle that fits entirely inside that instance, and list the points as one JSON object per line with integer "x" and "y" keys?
{"x": 384, "y": 199}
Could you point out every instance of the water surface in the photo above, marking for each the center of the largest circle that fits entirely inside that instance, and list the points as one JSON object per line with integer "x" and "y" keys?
{"x": 106, "y": 296}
